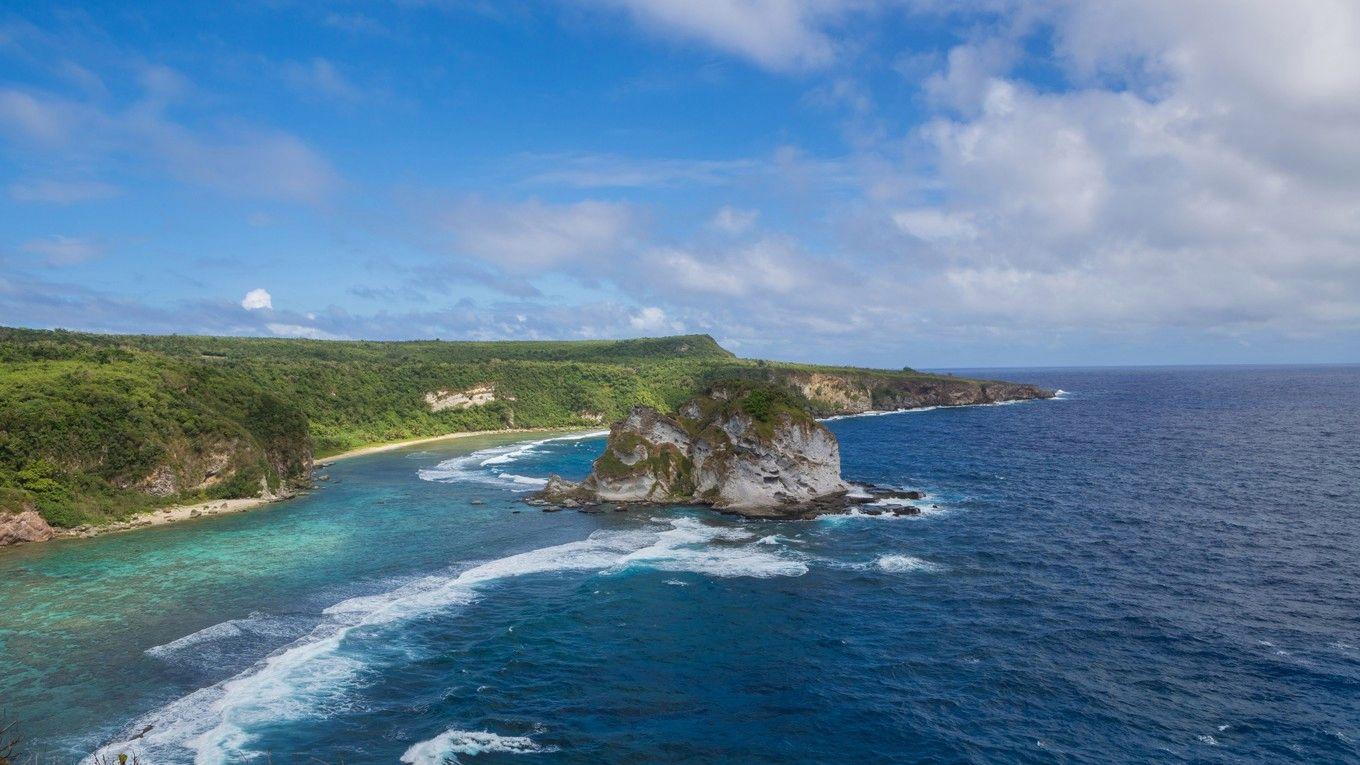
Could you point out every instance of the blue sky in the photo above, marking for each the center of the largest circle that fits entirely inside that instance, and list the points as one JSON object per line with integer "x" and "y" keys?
{"x": 852, "y": 181}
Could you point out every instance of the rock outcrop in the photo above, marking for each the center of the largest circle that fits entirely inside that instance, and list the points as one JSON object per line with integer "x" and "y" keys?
{"x": 741, "y": 447}
{"x": 20, "y": 522}
{"x": 478, "y": 395}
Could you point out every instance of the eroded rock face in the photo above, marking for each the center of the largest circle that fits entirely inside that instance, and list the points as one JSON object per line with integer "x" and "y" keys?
{"x": 744, "y": 448}
{"x": 23, "y": 526}
{"x": 440, "y": 400}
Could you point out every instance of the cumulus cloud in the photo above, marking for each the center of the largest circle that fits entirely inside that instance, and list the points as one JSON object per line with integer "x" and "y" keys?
{"x": 257, "y": 299}
{"x": 651, "y": 319}
{"x": 1183, "y": 184}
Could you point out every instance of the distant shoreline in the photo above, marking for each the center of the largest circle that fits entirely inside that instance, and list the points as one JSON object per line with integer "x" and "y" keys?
{"x": 165, "y": 516}
{"x": 176, "y": 513}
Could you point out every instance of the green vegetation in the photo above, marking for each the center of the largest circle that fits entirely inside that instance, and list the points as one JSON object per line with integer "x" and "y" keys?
{"x": 94, "y": 428}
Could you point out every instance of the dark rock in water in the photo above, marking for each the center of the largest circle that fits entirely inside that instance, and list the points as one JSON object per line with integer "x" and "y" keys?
{"x": 906, "y": 510}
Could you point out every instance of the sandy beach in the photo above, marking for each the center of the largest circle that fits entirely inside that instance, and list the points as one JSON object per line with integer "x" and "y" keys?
{"x": 176, "y": 513}
{"x": 376, "y": 448}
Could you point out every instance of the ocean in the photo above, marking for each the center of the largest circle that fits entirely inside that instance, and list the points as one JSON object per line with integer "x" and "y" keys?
{"x": 1161, "y": 565}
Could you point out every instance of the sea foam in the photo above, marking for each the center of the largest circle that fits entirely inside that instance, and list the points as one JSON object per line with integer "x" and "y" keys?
{"x": 899, "y": 564}
{"x": 488, "y": 465}
{"x": 445, "y": 747}
{"x": 308, "y": 679}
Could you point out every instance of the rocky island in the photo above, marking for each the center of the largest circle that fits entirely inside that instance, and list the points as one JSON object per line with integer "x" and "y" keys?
{"x": 751, "y": 449}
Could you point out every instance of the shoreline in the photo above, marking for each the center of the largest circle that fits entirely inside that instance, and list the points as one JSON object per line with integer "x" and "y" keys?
{"x": 176, "y": 513}
{"x": 165, "y": 516}
{"x": 394, "y": 445}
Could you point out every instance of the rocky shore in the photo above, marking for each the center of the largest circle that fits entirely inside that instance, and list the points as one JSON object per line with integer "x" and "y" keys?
{"x": 745, "y": 448}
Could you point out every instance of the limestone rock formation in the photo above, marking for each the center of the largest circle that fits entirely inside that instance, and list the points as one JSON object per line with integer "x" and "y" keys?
{"x": 20, "y": 522}
{"x": 748, "y": 448}
{"x": 477, "y": 395}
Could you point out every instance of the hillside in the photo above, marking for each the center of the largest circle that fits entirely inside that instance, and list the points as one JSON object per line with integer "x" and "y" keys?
{"x": 94, "y": 428}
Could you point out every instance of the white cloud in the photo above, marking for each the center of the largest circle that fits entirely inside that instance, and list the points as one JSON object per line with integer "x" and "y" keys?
{"x": 528, "y": 237}
{"x": 650, "y": 319}
{"x": 63, "y": 250}
{"x": 780, "y": 35}
{"x": 257, "y": 299}
{"x": 301, "y": 330}
{"x": 239, "y": 158}
{"x": 934, "y": 225}
{"x": 731, "y": 220}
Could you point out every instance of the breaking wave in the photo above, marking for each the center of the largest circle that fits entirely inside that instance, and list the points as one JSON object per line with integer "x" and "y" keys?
{"x": 488, "y": 465}
{"x": 308, "y": 678}
{"x": 899, "y": 564}
{"x": 445, "y": 747}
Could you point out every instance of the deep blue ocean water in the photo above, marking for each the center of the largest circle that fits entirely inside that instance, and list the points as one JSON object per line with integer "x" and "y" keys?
{"x": 1164, "y": 566}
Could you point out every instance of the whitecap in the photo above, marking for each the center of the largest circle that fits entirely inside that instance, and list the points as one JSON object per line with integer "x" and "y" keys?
{"x": 309, "y": 678}
{"x": 898, "y": 564}
{"x": 687, "y": 548}
{"x": 442, "y": 749}
{"x": 257, "y": 626}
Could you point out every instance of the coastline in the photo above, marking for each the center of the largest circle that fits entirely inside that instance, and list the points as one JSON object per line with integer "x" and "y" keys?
{"x": 393, "y": 445}
{"x": 176, "y": 513}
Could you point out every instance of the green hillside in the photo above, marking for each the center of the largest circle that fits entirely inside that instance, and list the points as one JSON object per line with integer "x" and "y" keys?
{"x": 96, "y": 427}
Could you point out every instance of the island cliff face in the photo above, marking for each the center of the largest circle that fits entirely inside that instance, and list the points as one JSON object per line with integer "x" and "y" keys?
{"x": 747, "y": 448}
{"x": 857, "y": 391}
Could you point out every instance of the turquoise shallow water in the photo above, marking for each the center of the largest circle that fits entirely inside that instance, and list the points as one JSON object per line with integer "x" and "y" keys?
{"x": 1159, "y": 567}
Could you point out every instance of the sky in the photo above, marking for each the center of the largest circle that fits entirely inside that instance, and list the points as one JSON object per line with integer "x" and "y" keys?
{"x": 890, "y": 183}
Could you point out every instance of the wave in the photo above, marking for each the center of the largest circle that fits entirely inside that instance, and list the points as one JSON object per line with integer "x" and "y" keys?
{"x": 899, "y": 564}
{"x": 484, "y": 466}
{"x": 308, "y": 678}
{"x": 255, "y": 626}
{"x": 442, "y": 749}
